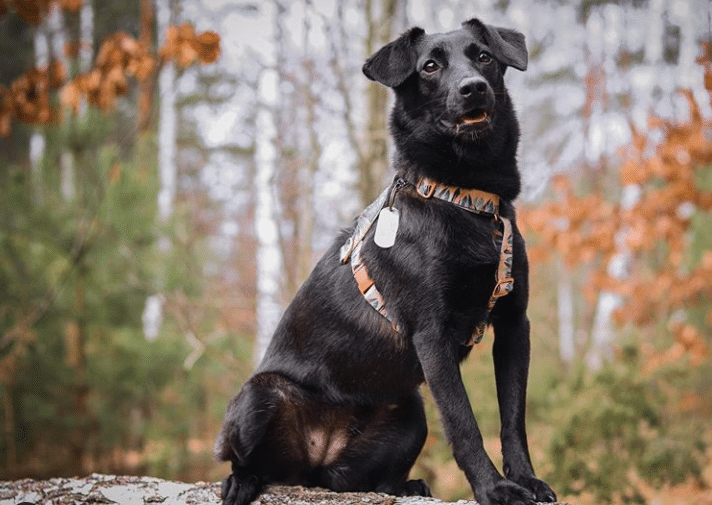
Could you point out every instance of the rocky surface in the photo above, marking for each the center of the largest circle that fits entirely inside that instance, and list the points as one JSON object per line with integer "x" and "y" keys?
{"x": 98, "y": 489}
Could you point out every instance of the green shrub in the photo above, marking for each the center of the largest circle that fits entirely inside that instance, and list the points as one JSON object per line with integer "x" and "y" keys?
{"x": 617, "y": 430}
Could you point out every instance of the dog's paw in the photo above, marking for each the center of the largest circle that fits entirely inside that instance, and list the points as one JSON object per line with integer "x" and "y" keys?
{"x": 541, "y": 489}
{"x": 416, "y": 487}
{"x": 505, "y": 492}
{"x": 240, "y": 489}
{"x": 407, "y": 488}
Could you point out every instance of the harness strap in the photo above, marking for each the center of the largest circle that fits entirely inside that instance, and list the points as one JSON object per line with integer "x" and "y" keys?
{"x": 472, "y": 200}
{"x": 352, "y": 249}
{"x": 504, "y": 282}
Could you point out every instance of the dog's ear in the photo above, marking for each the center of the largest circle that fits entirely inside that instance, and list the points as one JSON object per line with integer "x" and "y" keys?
{"x": 396, "y": 61}
{"x": 507, "y": 45}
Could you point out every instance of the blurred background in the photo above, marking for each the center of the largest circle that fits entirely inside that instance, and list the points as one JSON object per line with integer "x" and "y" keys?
{"x": 170, "y": 171}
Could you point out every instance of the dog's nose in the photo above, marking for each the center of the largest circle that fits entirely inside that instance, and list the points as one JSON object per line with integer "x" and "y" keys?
{"x": 473, "y": 87}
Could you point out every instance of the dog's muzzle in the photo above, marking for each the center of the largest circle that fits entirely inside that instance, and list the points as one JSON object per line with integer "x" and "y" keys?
{"x": 470, "y": 106}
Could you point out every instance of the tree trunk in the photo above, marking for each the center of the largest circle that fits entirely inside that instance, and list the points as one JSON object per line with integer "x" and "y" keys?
{"x": 565, "y": 311}
{"x": 86, "y": 36}
{"x": 67, "y": 161}
{"x": 167, "y": 119}
{"x": 380, "y": 19}
{"x": 654, "y": 32}
{"x": 76, "y": 360}
{"x": 269, "y": 254}
{"x": 9, "y": 429}
{"x": 37, "y": 139}
{"x": 145, "y": 93}
{"x": 307, "y": 216}
{"x": 602, "y": 335}
{"x": 603, "y": 41}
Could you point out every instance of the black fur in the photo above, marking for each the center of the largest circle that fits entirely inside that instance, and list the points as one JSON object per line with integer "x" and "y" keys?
{"x": 335, "y": 401}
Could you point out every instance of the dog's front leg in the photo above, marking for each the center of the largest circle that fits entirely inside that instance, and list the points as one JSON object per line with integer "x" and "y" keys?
{"x": 511, "y": 362}
{"x": 438, "y": 358}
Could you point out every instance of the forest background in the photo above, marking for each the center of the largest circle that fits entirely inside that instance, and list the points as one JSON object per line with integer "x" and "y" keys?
{"x": 170, "y": 171}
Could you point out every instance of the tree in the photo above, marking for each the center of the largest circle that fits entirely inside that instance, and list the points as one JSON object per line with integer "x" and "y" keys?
{"x": 383, "y": 23}
{"x": 167, "y": 126}
{"x": 76, "y": 265}
{"x": 628, "y": 414}
{"x": 666, "y": 275}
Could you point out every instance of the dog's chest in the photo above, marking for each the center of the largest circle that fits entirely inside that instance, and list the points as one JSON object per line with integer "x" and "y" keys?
{"x": 456, "y": 239}
{"x": 454, "y": 255}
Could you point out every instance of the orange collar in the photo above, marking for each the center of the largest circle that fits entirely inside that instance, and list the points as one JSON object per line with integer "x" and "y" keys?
{"x": 473, "y": 200}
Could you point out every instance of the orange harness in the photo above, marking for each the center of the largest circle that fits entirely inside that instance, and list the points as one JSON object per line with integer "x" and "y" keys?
{"x": 472, "y": 200}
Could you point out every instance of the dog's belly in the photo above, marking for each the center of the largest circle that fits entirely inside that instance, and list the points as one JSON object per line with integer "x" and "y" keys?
{"x": 317, "y": 432}
{"x": 309, "y": 434}
{"x": 324, "y": 444}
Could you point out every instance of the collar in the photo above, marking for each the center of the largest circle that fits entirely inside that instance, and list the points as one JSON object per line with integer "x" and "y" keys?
{"x": 474, "y": 200}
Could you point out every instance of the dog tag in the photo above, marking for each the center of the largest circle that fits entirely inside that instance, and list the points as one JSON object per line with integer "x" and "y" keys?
{"x": 386, "y": 227}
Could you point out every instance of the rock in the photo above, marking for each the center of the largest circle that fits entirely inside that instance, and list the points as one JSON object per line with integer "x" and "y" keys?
{"x": 98, "y": 489}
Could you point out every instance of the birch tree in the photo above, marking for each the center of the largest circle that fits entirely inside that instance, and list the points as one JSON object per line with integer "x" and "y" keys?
{"x": 269, "y": 253}
{"x": 383, "y": 24}
{"x": 55, "y": 24}
{"x": 604, "y": 42}
{"x": 37, "y": 139}
{"x": 167, "y": 118}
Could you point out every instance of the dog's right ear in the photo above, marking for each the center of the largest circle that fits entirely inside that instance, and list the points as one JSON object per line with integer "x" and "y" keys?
{"x": 396, "y": 61}
{"x": 507, "y": 45}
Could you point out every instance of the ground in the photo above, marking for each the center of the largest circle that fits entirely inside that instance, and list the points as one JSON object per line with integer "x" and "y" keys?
{"x": 98, "y": 489}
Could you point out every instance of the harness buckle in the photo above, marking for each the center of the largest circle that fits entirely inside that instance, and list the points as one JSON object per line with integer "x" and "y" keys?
{"x": 429, "y": 185}
{"x": 503, "y": 287}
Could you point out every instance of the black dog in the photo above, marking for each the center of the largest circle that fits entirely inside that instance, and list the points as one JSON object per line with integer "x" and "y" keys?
{"x": 335, "y": 402}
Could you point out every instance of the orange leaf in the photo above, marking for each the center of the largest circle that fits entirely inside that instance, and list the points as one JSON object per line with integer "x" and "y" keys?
{"x": 209, "y": 46}
{"x": 57, "y": 74}
{"x": 72, "y": 5}
{"x": 5, "y": 122}
{"x": 70, "y": 97}
{"x": 31, "y": 11}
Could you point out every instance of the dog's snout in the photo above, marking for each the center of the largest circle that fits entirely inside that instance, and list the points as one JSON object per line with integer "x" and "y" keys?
{"x": 473, "y": 87}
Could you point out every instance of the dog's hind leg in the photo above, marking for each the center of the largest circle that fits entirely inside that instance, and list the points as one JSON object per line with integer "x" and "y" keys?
{"x": 276, "y": 431}
{"x": 247, "y": 419}
{"x": 240, "y": 487}
{"x": 385, "y": 443}
{"x": 259, "y": 437}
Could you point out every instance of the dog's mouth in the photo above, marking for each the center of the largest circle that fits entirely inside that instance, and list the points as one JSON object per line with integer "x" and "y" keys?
{"x": 473, "y": 117}
{"x": 473, "y": 121}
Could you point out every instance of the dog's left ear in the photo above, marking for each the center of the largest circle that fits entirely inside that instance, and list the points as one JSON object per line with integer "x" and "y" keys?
{"x": 394, "y": 62}
{"x": 507, "y": 45}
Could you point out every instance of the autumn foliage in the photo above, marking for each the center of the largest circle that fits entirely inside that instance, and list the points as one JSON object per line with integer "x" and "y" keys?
{"x": 28, "y": 99}
{"x": 119, "y": 59}
{"x": 648, "y": 228}
{"x": 185, "y": 47}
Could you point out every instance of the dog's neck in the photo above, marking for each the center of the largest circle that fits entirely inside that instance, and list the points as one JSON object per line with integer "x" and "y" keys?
{"x": 487, "y": 164}
{"x": 449, "y": 169}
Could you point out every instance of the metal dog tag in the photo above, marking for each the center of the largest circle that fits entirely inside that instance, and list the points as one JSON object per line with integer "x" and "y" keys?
{"x": 386, "y": 227}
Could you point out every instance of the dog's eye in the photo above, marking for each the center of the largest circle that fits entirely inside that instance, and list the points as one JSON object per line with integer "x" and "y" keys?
{"x": 484, "y": 57}
{"x": 431, "y": 66}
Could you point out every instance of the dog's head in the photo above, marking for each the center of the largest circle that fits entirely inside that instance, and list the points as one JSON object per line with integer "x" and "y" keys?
{"x": 452, "y": 80}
